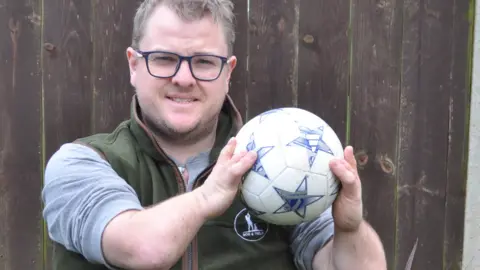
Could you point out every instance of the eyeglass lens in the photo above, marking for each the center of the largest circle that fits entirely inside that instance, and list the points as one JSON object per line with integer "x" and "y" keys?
{"x": 204, "y": 67}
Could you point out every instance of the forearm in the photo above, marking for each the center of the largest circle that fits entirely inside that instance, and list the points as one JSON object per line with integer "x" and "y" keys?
{"x": 359, "y": 250}
{"x": 154, "y": 238}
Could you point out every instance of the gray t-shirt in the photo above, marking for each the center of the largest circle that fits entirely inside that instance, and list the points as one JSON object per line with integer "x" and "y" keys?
{"x": 82, "y": 193}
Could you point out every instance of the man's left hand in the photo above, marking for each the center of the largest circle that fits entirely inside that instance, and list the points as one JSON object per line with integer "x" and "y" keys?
{"x": 347, "y": 207}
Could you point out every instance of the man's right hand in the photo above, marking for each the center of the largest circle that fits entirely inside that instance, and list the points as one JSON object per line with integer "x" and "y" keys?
{"x": 220, "y": 188}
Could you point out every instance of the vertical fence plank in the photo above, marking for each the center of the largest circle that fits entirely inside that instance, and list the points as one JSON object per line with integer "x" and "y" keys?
{"x": 111, "y": 37}
{"x": 238, "y": 86}
{"x": 20, "y": 136}
{"x": 323, "y": 61}
{"x": 273, "y": 55}
{"x": 424, "y": 127}
{"x": 460, "y": 70}
{"x": 374, "y": 90}
{"x": 67, "y": 68}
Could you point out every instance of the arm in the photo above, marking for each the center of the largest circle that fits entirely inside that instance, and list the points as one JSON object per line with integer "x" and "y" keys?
{"x": 361, "y": 249}
{"x": 153, "y": 238}
{"x": 355, "y": 244}
{"x": 309, "y": 237}
{"x": 92, "y": 211}
{"x": 89, "y": 198}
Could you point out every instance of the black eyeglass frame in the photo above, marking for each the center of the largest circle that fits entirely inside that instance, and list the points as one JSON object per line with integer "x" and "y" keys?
{"x": 181, "y": 58}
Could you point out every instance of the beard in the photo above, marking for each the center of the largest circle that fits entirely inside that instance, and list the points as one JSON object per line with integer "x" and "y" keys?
{"x": 165, "y": 132}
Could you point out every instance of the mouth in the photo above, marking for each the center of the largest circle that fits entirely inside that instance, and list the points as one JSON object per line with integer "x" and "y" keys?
{"x": 182, "y": 100}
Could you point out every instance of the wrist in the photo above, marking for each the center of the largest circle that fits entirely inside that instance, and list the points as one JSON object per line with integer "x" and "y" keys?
{"x": 201, "y": 203}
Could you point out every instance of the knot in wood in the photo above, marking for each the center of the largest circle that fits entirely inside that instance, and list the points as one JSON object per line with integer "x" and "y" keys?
{"x": 362, "y": 158}
{"x": 387, "y": 165}
{"x": 49, "y": 47}
{"x": 308, "y": 39}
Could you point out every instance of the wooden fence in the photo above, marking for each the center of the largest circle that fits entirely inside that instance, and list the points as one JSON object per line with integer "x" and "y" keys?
{"x": 391, "y": 76}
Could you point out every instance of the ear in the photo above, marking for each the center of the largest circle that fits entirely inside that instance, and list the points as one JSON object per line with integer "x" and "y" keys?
{"x": 132, "y": 57}
{"x": 231, "y": 63}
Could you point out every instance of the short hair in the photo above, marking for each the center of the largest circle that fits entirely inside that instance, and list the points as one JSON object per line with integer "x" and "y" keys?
{"x": 188, "y": 10}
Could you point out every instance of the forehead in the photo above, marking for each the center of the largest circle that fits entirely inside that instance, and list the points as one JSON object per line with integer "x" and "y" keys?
{"x": 165, "y": 30}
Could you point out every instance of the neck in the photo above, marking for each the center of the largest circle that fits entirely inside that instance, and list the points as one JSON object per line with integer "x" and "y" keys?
{"x": 182, "y": 151}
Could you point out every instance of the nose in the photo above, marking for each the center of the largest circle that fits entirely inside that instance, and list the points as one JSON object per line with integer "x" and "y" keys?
{"x": 183, "y": 77}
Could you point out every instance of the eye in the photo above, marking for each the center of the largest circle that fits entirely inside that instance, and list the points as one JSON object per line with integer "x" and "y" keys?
{"x": 163, "y": 58}
{"x": 204, "y": 61}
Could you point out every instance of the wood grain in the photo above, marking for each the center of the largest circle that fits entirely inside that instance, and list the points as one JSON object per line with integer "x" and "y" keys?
{"x": 20, "y": 136}
{"x": 323, "y": 61}
{"x": 374, "y": 93}
{"x": 273, "y": 55}
{"x": 238, "y": 82}
{"x": 113, "y": 21}
{"x": 424, "y": 131}
{"x": 460, "y": 88}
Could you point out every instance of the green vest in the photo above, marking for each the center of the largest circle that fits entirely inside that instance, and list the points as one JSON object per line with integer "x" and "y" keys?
{"x": 235, "y": 240}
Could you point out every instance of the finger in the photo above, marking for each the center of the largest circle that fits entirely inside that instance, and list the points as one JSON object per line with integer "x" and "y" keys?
{"x": 350, "y": 157}
{"x": 351, "y": 187}
{"x": 244, "y": 164}
{"x": 227, "y": 151}
{"x": 236, "y": 157}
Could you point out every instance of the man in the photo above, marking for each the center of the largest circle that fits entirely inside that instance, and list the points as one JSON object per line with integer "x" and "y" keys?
{"x": 161, "y": 191}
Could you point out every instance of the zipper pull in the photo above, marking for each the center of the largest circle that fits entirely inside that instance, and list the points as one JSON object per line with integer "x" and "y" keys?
{"x": 184, "y": 172}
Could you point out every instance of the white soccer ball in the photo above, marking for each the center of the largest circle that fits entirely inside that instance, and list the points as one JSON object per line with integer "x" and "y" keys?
{"x": 291, "y": 181}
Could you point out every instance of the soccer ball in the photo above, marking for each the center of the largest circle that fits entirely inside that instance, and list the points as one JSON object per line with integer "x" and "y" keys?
{"x": 291, "y": 181}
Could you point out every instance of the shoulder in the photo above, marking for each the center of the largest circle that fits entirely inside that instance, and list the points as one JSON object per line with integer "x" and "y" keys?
{"x": 75, "y": 154}
{"x": 74, "y": 159}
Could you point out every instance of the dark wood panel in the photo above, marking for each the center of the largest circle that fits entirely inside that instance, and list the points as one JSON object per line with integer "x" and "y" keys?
{"x": 460, "y": 68}
{"x": 238, "y": 82}
{"x": 424, "y": 131}
{"x": 273, "y": 55}
{"x": 67, "y": 75}
{"x": 374, "y": 92}
{"x": 111, "y": 37}
{"x": 323, "y": 61}
{"x": 67, "y": 72}
{"x": 20, "y": 136}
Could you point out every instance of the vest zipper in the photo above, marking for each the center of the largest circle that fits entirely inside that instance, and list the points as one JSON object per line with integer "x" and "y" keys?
{"x": 190, "y": 248}
{"x": 189, "y": 260}
{"x": 192, "y": 251}
{"x": 182, "y": 188}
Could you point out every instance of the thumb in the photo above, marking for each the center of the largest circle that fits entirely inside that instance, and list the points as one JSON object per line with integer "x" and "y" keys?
{"x": 350, "y": 157}
{"x": 351, "y": 187}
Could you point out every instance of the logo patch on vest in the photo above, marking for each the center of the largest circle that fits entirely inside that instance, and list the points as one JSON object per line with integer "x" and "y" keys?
{"x": 248, "y": 227}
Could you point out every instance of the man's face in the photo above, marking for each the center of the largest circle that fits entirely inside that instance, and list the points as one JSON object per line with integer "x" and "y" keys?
{"x": 180, "y": 106}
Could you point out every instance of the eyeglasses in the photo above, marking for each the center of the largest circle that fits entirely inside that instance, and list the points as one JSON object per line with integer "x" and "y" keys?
{"x": 162, "y": 64}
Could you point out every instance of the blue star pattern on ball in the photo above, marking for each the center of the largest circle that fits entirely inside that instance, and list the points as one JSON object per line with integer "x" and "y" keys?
{"x": 296, "y": 201}
{"x": 261, "y": 152}
{"x": 312, "y": 140}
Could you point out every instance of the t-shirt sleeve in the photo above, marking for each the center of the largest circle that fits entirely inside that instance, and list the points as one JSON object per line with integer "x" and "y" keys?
{"x": 310, "y": 237}
{"x": 81, "y": 194}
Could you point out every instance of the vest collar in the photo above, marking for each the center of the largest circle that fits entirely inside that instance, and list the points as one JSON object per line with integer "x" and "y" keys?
{"x": 230, "y": 122}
